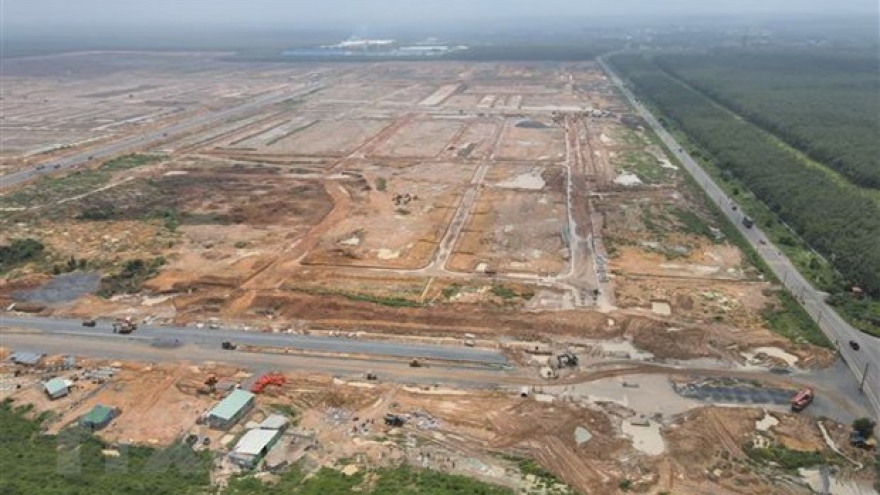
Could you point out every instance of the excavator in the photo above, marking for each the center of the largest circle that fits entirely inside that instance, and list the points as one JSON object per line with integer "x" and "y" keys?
{"x": 124, "y": 325}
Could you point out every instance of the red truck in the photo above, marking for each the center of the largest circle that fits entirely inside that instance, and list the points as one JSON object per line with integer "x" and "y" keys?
{"x": 802, "y": 399}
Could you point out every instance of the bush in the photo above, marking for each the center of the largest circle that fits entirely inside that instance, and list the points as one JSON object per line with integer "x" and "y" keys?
{"x": 381, "y": 184}
{"x": 19, "y": 251}
{"x": 864, "y": 426}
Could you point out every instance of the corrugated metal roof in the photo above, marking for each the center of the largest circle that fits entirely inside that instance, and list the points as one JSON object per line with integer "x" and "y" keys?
{"x": 254, "y": 441}
{"x": 57, "y": 385}
{"x": 24, "y": 357}
{"x": 98, "y": 415}
{"x": 231, "y": 405}
{"x": 274, "y": 422}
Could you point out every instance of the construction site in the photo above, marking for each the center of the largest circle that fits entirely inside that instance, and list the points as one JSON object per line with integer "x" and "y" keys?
{"x": 522, "y": 211}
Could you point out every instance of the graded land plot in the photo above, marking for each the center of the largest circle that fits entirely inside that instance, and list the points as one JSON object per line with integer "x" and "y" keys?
{"x": 269, "y": 141}
{"x": 56, "y": 104}
{"x": 407, "y": 93}
{"x": 420, "y": 138}
{"x": 399, "y": 222}
{"x": 330, "y": 137}
{"x": 544, "y": 143}
{"x": 355, "y": 91}
{"x": 476, "y": 141}
{"x": 211, "y": 223}
{"x": 518, "y": 224}
{"x": 648, "y": 166}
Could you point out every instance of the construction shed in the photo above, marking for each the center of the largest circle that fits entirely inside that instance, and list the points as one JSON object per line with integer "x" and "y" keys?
{"x": 275, "y": 422}
{"x": 57, "y": 388}
{"x": 231, "y": 409}
{"x": 253, "y": 447}
{"x": 26, "y": 358}
{"x": 99, "y": 417}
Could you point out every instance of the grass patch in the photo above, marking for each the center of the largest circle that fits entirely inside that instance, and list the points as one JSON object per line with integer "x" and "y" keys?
{"x": 504, "y": 292}
{"x": 645, "y": 165}
{"x": 395, "y": 302}
{"x": 19, "y": 252}
{"x": 47, "y": 189}
{"x": 381, "y": 184}
{"x": 787, "y": 459}
{"x": 789, "y": 319}
{"x": 72, "y": 463}
{"x": 130, "y": 279}
{"x": 403, "y": 479}
{"x": 451, "y": 291}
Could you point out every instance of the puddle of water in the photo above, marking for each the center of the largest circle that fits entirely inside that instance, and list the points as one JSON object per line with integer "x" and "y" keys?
{"x": 646, "y": 439}
{"x": 645, "y": 394}
{"x": 582, "y": 435}
{"x": 626, "y": 179}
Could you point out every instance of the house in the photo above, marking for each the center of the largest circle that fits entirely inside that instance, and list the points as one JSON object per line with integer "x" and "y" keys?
{"x": 253, "y": 447}
{"x": 57, "y": 388}
{"x": 99, "y": 417}
{"x": 231, "y": 409}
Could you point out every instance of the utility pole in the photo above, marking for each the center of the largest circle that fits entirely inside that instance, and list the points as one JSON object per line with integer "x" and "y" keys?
{"x": 864, "y": 375}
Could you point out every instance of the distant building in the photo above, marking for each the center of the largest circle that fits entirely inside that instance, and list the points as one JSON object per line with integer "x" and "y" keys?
{"x": 99, "y": 417}
{"x": 231, "y": 409}
{"x": 253, "y": 447}
{"x": 57, "y": 388}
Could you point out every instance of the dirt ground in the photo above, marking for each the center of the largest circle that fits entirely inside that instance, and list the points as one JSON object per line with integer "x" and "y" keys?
{"x": 339, "y": 422}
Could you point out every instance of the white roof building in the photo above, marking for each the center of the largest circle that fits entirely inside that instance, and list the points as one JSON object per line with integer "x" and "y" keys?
{"x": 253, "y": 446}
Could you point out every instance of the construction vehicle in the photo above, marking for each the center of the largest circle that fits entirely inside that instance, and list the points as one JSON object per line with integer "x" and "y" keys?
{"x": 124, "y": 325}
{"x": 566, "y": 360}
{"x": 802, "y": 399}
{"x": 371, "y": 376}
{"x": 268, "y": 379}
{"x": 856, "y": 439}
{"x": 211, "y": 383}
{"x": 394, "y": 420}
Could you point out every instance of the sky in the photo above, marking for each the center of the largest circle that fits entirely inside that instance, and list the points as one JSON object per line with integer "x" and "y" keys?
{"x": 256, "y": 13}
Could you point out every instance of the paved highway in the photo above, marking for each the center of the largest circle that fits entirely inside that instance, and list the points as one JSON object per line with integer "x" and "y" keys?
{"x": 863, "y": 363}
{"x": 212, "y": 339}
{"x": 143, "y": 140}
{"x": 395, "y": 370}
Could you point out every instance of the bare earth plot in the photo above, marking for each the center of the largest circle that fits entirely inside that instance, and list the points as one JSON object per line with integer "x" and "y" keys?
{"x": 514, "y": 207}
{"x": 518, "y": 224}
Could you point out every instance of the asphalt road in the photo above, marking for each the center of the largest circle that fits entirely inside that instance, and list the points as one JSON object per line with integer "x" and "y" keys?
{"x": 141, "y": 141}
{"x": 386, "y": 369}
{"x": 863, "y": 363}
{"x": 211, "y": 339}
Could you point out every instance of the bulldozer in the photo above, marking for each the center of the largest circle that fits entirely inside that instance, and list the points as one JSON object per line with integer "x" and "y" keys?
{"x": 124, "y": 325}
{"x": 211, "y": 383}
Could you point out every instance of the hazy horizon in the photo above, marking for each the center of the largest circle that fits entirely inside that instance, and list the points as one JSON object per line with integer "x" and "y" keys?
{"x": 257, "y": 14}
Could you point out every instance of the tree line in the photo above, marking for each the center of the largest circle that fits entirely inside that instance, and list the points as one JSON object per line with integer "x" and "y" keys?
{"x": 824, "y": 104}
{"x": 843, "y": 226}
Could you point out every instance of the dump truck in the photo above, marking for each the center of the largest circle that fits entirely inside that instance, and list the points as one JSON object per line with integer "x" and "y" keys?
{"x": 124, "y": 325}
{"x": 802, "y": 399}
